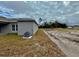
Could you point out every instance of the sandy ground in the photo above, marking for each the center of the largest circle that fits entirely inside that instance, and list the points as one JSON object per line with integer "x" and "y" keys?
{"x": 39, "y": 45}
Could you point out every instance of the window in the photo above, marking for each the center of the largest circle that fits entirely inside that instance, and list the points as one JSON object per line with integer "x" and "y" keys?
{"x": 14, "y": 27}
{"x": 0, "y": 29}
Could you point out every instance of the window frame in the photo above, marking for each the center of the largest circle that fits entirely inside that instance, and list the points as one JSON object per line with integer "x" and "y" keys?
{"x": 14, "y": 27}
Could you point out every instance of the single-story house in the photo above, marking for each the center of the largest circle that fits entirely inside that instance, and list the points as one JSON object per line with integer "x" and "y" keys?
{"x": 74, "y": 27}
{"x": 17, "y": 25}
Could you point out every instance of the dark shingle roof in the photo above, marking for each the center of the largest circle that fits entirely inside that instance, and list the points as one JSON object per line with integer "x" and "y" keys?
{"x": 18, "y": 19}
{"x": 2, "y": 17}
{"x": 26, "y": 20}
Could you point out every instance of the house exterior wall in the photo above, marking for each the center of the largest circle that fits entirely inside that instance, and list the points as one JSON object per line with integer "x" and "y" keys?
{"x": 13, "y": 23}
{"x": 25, "y": 27}
{"x": 35, "y": 28}
{"x": 7, "y": 28}
{"x": 22, "y": 28}
{"x": 4, "y": 29}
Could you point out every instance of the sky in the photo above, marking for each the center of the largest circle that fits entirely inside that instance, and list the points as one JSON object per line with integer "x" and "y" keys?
{"x": 62, "y": 11}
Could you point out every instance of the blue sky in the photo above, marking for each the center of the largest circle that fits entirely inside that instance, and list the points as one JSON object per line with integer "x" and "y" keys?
{"x": 65, "y": 12}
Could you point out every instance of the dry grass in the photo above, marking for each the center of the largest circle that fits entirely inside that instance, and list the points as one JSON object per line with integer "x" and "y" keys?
{"x": 39, "y": 45}
{"x": 65, "y": 29}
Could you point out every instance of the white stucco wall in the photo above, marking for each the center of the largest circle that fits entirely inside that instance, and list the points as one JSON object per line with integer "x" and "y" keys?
{"x": 11, "y": 27}
{"x": 8, "y": 29}
{"x": 35, "y": 28}
{"x": 5, "y": 29}
{"x": 25, "y": 27}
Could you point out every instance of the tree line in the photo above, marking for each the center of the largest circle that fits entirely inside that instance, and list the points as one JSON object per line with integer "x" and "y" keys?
{"x": 55, "y": 24}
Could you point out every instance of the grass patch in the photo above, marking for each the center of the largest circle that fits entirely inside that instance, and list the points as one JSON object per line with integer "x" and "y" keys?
{"x": 65, "y": 30}
{"x": 39, "y": 45}
{"x": 12, "y": 34}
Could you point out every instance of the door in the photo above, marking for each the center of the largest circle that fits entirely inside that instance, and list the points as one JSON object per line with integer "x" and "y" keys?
{"x": 0, "y": 29}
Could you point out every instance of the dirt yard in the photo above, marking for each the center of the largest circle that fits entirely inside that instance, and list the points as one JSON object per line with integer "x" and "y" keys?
{"x": 40, "y": 45}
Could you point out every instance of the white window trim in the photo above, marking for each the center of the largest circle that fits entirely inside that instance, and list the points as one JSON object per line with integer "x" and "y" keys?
{"x": 15, "y": 28}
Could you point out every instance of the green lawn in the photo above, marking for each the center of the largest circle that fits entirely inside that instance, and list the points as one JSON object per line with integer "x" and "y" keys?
{"x": 39, "y": 45}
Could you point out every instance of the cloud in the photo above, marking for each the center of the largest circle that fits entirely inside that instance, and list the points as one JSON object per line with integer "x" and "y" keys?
{"x": 66, "y": 3}
{"x": 20, "y": 16}
{"x": 46, "y": 10}
{"x": 72, "y": 14}
{"x": 6, "y": 12}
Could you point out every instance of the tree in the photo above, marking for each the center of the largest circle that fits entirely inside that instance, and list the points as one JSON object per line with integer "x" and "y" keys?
{"x": 56, "y": 24}
{"x": 40, "y": 20}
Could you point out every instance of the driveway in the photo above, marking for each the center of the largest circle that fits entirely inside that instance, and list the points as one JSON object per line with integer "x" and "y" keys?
{"x": 68, "y": 42}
